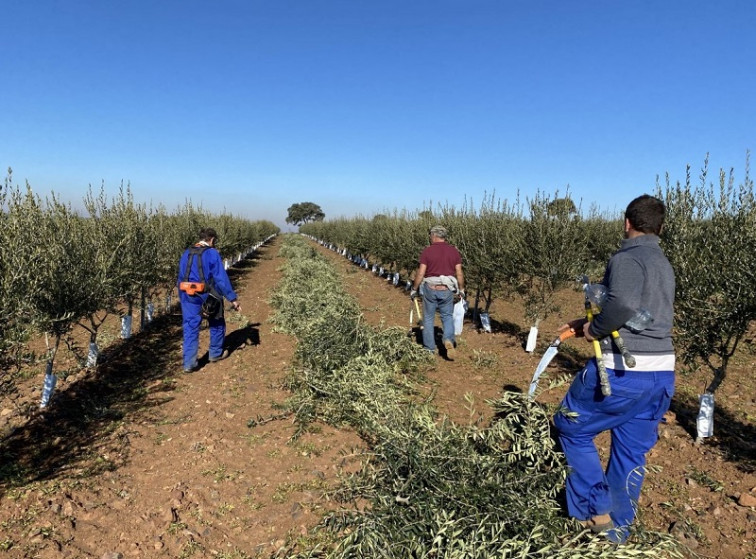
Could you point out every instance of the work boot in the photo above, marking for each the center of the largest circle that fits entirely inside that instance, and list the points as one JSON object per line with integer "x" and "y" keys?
{"x": 450, "y": 350}
{"x": 599, "y": 523}
{"x": 221, "y": 357}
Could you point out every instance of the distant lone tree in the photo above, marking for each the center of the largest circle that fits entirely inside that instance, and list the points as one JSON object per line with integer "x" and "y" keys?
{"x": 561, "y": 206}
{"x": 304, "y": 212}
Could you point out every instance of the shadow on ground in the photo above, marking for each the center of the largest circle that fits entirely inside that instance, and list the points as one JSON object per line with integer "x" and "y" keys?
{"x": 737, "y": 440}
{"x": 80, "y": 426}
{"x": 417, "y": 334}
{"x": 67, "y": 435}
{"x": 510, "y": 328}
{"x": 242, "y": 337}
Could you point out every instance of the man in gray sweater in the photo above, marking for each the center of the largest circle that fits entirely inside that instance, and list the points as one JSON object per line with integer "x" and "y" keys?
{"x": 638, "y": 278}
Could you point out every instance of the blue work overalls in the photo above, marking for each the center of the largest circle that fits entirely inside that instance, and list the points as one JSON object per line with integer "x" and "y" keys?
{"x": 632, "y": 413}
{"x": 215, "y": 273}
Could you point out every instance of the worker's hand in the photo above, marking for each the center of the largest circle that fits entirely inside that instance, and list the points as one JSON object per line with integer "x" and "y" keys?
{"x": 586, "y": 331}
{"x": 236, "y": 306}
{"x": 413, "y": 294}
{"x": 576, "y": 326}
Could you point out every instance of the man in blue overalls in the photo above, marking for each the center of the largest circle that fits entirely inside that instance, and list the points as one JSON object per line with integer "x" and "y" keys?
{"x": 201, "y": 275}
{"x": 638, "y": 277}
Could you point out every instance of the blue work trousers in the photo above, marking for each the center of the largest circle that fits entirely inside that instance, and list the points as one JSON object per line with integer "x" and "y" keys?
{"x": 632, "y": 413}
{"x": 190, "y": 310}
{"x": 443, "y": 301}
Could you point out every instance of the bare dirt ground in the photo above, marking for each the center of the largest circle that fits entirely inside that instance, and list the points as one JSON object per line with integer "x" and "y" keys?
{"x": 138, "y": 459}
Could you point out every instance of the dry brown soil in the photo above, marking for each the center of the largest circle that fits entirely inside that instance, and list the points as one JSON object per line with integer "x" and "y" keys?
{"x": 138, "y": 459}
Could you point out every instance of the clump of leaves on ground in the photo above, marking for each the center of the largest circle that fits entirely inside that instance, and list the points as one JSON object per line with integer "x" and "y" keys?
{"x": 434, "y": 488}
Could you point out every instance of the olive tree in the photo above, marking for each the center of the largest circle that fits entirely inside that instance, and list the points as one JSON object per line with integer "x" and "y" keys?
{"x": 552, "y": 253}
{"x": 487, "y": 239}
{"x": 18, "y": 284}
{"x": 415, "y": 230}
{"x": 602, "y": 233}
{"x": 137, "y": 268}
{"x": 110, "y": 239}
{"x": 709, "y": 237}
{"x": 54, "y": 247}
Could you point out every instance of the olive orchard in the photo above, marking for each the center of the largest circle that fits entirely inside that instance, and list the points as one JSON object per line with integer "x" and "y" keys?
{"x": 60, "y": 269}
{"x": 532, "y": 251}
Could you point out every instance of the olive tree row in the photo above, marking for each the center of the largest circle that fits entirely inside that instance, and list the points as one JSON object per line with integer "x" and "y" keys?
{"x": 534, "y": 248}
{"x": 64, "y": 268}
{"x": 528, "y": 249}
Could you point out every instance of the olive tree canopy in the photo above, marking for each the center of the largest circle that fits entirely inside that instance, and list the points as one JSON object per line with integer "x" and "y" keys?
{"x": 709, "y": 237}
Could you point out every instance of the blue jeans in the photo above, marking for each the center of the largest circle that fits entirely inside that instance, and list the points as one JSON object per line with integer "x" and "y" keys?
{"x": 191, "y": 321}
{"x": 443, "y": 301}
{"x": 632, "y": 413}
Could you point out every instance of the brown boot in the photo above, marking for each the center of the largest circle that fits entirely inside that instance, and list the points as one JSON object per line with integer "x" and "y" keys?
{"x": 599, "y": 523}
{"x": 451, "y": 352}
{"x": 221, "y": 357}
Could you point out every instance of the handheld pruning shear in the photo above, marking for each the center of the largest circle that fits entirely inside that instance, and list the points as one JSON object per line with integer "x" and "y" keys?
{"x": 606, "y": 388}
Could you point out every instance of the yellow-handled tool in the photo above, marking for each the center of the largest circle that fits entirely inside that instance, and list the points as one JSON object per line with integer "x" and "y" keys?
{"x": 626, "y": 355}
{"x": 606, "y": 388}
{"x": 596, "y": 293}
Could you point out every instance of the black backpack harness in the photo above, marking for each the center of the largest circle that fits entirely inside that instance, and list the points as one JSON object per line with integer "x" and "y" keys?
{"x": 213, "y": 305}
{"x": 194, "y": 287}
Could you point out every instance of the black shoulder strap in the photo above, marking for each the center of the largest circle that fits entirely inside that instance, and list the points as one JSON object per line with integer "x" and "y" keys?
{"x": 197, "y": 251}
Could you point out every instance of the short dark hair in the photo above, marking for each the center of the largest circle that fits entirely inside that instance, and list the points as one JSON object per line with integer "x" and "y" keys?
{"x": 646, "y": 214}
{"x": 207, "y": 233}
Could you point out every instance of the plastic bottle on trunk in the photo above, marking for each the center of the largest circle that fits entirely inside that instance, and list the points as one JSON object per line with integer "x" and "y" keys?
{"x": 48, "y": 387}
{"x": 705, "y": 419}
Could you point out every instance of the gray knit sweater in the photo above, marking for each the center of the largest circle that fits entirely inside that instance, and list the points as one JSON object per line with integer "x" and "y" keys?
{"x": 638, "y": 276}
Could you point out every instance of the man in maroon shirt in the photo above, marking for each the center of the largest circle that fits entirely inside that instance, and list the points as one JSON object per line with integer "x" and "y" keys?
{"x": 439, "y": 278}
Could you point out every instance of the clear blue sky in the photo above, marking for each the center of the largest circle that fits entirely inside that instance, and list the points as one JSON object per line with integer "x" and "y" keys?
{"x": 365, "y": 106}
